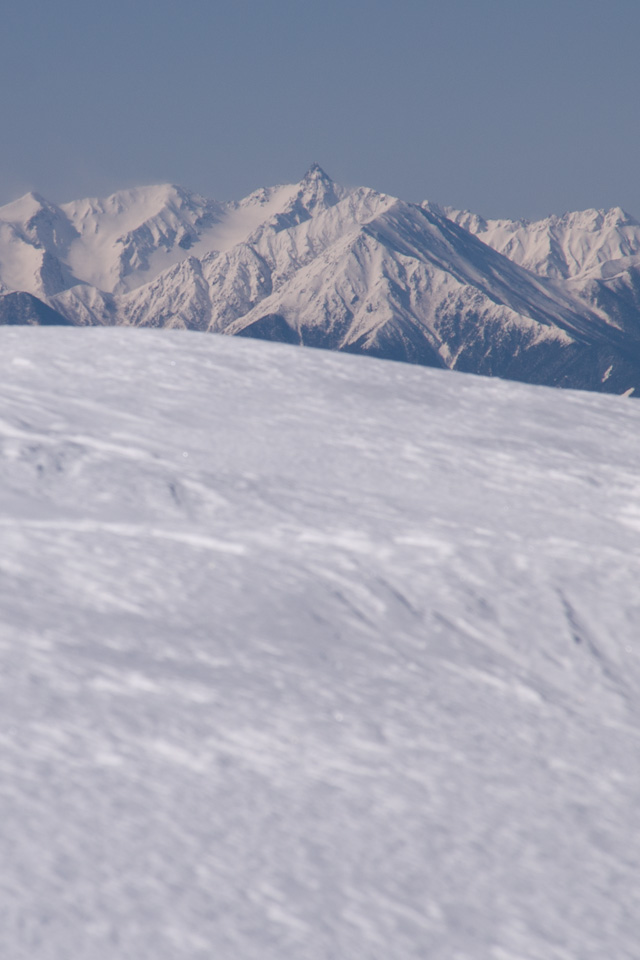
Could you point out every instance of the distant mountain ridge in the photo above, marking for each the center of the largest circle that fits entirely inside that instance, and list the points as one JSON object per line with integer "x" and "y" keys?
{"x": 554, "y": 302}
{"x": 565, "y": 246}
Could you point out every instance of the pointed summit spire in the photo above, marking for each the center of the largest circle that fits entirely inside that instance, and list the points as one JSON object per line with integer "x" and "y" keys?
{"x": 316, "y": 192}
{"x": 317, "y": 189}
{"x": 315, "y": 172}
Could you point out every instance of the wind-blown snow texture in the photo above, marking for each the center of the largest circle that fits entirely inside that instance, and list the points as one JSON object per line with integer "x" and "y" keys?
{"x": 312, "y": 656}
{"x": 314, "y": 263}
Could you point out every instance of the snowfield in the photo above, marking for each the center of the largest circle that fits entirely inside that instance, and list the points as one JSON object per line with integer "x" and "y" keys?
{"x": 309, "y": 656}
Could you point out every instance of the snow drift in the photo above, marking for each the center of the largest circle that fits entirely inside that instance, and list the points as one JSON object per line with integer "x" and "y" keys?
{"x": 307, "y": 655}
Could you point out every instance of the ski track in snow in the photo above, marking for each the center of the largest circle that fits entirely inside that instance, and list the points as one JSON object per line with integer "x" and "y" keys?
{"x": 307, "y": 655}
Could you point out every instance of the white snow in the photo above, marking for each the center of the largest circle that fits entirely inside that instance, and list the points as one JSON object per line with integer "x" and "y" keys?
{"x": 582, "y": 242}
{"x": 356, "y": 678}
{"x": 241, "y": 219}
{"x": 20, "y": 262}
{"x": 556, "y": 301}
{"x": 102, "y": 226}
{"x": 127, "y": 239}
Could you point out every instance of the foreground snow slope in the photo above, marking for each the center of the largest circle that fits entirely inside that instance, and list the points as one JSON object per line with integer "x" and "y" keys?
{"x": 307, "y": 655}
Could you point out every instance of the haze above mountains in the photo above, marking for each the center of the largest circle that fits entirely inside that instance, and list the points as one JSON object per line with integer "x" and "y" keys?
{"x": 556, "y": 301}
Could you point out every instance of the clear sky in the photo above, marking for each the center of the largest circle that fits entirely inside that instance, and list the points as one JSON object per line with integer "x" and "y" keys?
{"x": 506, "y": 107}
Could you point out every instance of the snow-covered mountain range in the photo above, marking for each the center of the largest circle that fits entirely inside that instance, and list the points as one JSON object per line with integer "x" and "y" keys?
{"x": 554, "y": 302}
{"x": 307, "y": 656}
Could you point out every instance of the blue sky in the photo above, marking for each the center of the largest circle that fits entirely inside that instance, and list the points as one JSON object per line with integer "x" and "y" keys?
{"x": 506, "y": 107}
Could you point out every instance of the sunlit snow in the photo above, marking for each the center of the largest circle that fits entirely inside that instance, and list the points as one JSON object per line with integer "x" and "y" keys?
{"x": 307, "y": 655}
{"x": 319, "y": 264}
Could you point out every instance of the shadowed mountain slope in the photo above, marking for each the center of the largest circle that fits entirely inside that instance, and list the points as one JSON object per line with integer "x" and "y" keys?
{"x": 21, "y": 308}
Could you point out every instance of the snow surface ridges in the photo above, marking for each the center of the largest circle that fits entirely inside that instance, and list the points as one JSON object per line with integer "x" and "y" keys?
{"x": 309, "y": 656}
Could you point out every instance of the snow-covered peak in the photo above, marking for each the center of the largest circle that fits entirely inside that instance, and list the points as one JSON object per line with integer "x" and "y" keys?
{"x": 318, "y": 190}
{"x": 118, "y": 236}
{"x": 35, "y": 240}
{"x": 22, "y": 209}
{"x": 39, "y": 223}
{"x": 315, "y": 172}
{"x": 391, "y": 278}
{"x": 125, "y": 240}
{"x": 315, "y": 193}
{"x": 361, "y": 271}
{"x": 344, "y": 268}
{"x": 558, "y": 246}
{"x": 127, "y": 210}
{"x": 318, "y": 183}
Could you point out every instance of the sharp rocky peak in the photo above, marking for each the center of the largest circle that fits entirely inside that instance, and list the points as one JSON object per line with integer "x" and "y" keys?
{"x": 316, "y": 173}
{"x": 315, "y": 192}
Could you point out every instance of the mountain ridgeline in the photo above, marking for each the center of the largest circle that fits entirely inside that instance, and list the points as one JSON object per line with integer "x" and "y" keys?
{"x": 553, "y": 302}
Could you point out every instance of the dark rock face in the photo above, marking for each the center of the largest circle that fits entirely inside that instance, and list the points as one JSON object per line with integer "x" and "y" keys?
{"x": 273, "y": 326}
{"x": 400, "y": 341}
{"x": 22, "y": 309}
{"x": 480, "y": 348}
{"x": 573, "y": 365}
{"x": 605, "y": 362}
